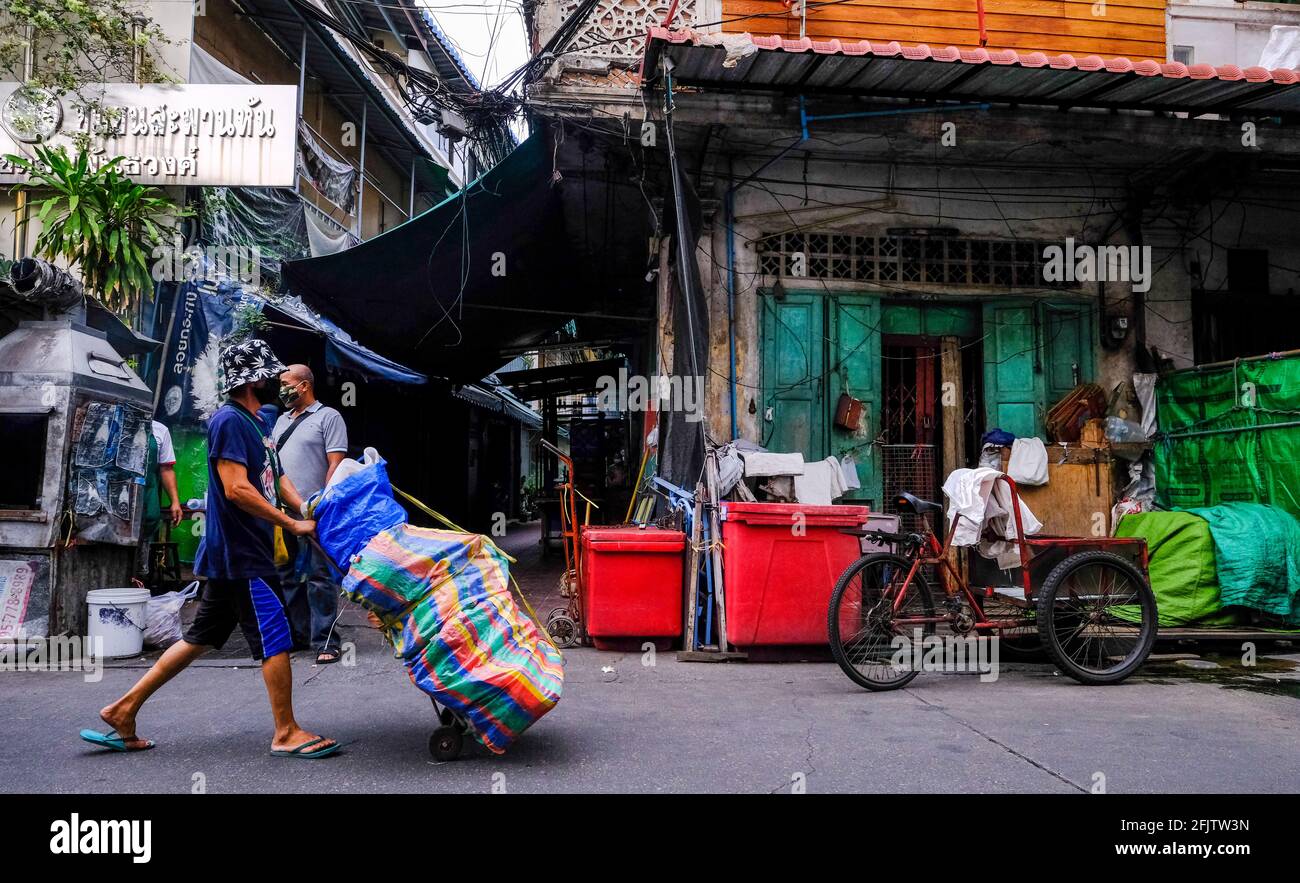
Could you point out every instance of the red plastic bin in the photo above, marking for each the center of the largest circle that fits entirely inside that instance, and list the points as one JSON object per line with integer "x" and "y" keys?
{"x": 632, "y": 582}
{"x": 779, "y": 580}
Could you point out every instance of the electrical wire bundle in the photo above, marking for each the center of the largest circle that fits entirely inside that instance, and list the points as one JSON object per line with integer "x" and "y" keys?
{"x": 487, "y": 112}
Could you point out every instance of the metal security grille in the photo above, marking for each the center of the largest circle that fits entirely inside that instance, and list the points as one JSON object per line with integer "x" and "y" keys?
{"x": 908, "y": 468}
{"x": 905, "y": 259}
{"x": 910, "y": 394}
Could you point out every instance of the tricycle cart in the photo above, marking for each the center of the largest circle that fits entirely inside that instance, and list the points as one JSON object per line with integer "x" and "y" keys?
{"x": 1086, "y": 598}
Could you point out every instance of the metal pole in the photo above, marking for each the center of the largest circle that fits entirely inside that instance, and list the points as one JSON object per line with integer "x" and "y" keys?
{"x": 410, "y": 209}
{"x": 302, "y": 89}
{"x": 361, "y": 171}
{"x": 1166, "y": 436}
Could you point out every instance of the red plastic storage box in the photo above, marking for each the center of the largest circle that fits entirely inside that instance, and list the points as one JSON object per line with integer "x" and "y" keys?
{"x": 779, "y": 580}
{"x": 632, "y": 583}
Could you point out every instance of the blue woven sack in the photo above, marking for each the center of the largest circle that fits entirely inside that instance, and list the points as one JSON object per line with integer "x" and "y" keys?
{"x": 352, "y": 512}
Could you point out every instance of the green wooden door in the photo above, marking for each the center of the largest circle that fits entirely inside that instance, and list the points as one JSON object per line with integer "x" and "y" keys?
{"x": 794, "y": 368}
{"x": 1068, "y": 348}
{"x": 1034, "y": 354}
{"x": 855, "y": 369}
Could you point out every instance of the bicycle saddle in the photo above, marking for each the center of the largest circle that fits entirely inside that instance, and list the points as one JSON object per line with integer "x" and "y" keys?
{"x": 910, "y": 503}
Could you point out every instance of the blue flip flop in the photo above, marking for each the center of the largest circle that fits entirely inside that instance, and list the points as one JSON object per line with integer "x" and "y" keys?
{"x": 301, "y": 752}
{"x": 111, "y": 740}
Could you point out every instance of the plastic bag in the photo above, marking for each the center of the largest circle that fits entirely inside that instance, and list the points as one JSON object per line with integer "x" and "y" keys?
{"x": 162, "y": 616}
{"x": 1120, "y": 430}
{"x": 348, "y": 467}
{"x": 351, "y": 512}
{"x": 1028, "y": 462}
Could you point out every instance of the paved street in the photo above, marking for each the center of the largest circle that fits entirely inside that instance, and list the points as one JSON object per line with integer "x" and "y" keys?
{"x": 676, "y": 726}
{"x": 671, "y": 727}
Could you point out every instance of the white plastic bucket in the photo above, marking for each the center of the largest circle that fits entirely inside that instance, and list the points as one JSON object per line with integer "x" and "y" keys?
{"x": 117, "y": 617}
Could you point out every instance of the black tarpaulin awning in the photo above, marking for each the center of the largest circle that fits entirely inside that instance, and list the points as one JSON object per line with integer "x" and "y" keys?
{"x": 444, "y": 292}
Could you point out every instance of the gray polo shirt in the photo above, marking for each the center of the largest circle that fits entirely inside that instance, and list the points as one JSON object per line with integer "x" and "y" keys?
{"x": 321, "y": 432}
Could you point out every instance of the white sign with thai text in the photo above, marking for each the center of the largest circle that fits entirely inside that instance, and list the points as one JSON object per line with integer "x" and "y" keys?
{"x": 209, "y": 134}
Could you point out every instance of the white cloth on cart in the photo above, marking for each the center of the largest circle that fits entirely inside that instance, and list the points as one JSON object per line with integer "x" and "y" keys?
{"x": 982, "y": 506}
{"x": 759, "y": 464}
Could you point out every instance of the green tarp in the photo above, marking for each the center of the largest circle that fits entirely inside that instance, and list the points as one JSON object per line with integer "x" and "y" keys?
{"x": 1230, "y": 434}
{"x": 1182, "y": 567}
{"x": 1258, "y": 554}
{"x": 1207, "y": 565}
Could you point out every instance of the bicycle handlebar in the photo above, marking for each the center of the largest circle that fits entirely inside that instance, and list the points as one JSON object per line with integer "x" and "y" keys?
{"x": 902, "y": 539}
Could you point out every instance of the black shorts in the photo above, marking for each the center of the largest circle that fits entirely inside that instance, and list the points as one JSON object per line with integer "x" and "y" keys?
{"x": 255, "y": 605}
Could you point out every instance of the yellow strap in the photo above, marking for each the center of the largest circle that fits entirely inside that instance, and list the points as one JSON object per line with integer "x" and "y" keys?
{"x": 437, "y": 516}
{"x": 451, "y": 524}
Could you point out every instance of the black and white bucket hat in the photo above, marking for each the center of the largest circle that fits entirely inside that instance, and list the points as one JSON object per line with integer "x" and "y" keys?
{"x": 247, "y": 362}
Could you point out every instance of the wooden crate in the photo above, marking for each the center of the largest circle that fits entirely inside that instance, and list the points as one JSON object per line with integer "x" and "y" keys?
{"x": 1076, "y": 491}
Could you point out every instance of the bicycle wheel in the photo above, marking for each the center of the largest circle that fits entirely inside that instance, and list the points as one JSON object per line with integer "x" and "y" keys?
{"x": 862, "y": 623}
{"x": 1097, "y": 617}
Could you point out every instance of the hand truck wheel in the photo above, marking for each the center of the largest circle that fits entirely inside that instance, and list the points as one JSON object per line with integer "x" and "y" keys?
{"x": 563, "y": 630}
{"x": 446, "y": 743}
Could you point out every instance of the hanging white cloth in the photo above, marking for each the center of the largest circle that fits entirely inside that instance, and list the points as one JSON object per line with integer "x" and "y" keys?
{"x": 324, "y": 238}
{"x": 1028, "y": 462}
{"x": 849, "y": 466}
{"x": 820, "y": 483}
{"x": 982, "y": 505}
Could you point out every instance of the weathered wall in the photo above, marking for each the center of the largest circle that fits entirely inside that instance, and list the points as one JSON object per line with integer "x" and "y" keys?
{"x": 863, "y": 201}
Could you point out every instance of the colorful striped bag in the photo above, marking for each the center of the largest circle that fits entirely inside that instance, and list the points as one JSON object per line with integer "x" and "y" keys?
{"x": 444, "y": 600}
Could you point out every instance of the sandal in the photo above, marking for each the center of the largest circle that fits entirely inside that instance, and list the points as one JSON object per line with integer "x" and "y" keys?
{"x": 301, "y": 752}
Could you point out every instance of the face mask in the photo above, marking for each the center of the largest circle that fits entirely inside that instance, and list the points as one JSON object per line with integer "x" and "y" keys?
{"x": 289, "y": 395}
{"x": 265, "y": 393}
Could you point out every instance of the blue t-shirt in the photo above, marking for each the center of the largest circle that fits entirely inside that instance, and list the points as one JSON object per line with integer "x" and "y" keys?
{"x": 237, "y": 545}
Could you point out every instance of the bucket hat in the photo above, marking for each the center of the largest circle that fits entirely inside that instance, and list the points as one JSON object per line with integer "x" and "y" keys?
{"x": 247, "y": 362}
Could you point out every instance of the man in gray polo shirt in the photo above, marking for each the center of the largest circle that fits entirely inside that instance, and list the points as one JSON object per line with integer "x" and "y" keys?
{"x": 312, "y": 440}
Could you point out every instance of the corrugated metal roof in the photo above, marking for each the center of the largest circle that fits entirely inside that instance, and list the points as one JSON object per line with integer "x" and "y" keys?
{"x": 864, "y": 68}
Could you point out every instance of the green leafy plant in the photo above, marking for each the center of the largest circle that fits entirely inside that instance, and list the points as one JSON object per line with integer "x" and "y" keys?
{"x": 99, "y": 221}
{"x": 248, "y": 322}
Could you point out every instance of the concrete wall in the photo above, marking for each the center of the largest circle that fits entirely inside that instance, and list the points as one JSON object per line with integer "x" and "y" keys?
{"x": 1184, "y": 239}
{"x": 1226, "y": 31}
{"x": 864, "y": 201}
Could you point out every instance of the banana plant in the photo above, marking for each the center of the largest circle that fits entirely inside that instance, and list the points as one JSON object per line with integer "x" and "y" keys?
{"x": 98, "y": 220}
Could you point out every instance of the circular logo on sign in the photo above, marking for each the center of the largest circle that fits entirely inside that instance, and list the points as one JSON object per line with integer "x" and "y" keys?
{"x": 32, "y": 114}
{"x": 172, "y": 400}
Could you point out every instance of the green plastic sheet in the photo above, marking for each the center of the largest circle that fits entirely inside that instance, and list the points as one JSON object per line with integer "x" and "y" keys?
{"x": 1182, "y": 568}
{"x": 1258, "y": 554}
{"x": 1226, "y": 435}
